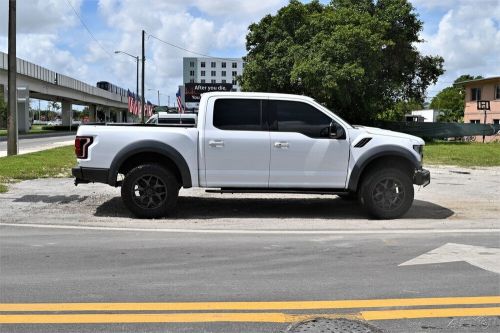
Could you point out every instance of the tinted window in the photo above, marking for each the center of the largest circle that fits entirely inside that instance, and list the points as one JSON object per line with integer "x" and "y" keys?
{"x": 299, "y": 117}
{"x": 238, "y": 114}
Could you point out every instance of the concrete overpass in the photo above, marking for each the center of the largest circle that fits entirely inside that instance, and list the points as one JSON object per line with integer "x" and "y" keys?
{"x": 38, "y": 82}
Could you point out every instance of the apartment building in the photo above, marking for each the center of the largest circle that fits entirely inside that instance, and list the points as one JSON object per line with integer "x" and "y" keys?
{"x": 213, "y": 70}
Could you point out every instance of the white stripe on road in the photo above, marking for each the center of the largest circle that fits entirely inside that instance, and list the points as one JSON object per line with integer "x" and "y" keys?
{"x": 251, "y": 232}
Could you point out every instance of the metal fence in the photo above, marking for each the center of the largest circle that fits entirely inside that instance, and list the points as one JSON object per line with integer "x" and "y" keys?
{"x": 440, "y": 130}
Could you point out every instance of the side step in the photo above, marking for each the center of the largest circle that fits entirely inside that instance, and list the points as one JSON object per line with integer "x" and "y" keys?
{"x": 279, "y": 190}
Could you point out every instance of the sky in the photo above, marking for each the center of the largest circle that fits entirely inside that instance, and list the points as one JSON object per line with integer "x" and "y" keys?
{"x": 78, "y": 37}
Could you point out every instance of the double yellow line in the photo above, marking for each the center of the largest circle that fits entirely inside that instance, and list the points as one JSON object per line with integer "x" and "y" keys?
{"x": 22, "y": 313}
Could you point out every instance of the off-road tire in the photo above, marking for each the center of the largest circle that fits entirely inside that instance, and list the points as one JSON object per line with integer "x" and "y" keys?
{"x": 386, "y": 193}
{"x": 150, "y": 191}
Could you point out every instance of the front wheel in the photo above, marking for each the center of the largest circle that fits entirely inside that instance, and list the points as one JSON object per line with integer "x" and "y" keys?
{"x": 150, "y": 191}
{"x": 387, "y": 193}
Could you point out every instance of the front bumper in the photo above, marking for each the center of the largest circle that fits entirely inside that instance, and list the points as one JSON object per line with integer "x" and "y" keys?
{"x": 422, "y": 177}
{"x": 90, "y": 175}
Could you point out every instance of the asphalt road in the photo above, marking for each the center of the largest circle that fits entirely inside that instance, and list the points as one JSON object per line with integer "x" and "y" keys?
{"x": 29, "y": 145}
{"x": 94, "y": 268}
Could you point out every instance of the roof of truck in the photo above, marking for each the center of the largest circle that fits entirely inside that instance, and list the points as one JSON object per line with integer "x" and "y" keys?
{"x": 255, "y": 94}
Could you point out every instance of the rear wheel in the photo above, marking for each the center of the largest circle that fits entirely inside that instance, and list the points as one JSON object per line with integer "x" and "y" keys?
{"x": 150, "y": 191}
{"x": 387, "y": 193}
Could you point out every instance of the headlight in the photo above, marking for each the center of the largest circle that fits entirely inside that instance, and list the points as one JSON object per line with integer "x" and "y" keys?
{"x": 420, "y": 150}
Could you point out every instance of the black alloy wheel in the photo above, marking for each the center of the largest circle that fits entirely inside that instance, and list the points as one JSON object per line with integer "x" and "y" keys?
{"x": 150, "y": 191}
{"x": 387, "y": 193}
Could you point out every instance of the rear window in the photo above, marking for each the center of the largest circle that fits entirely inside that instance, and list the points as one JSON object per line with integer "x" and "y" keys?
{"x": 238, "y": 114}
{"x": 190, "y": 121}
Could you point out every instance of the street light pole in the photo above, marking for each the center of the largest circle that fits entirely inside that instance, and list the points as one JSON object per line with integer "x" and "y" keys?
{"x": 137, "y": 75}
{"x": 12, "y": 135}
{"x": 158, "y": 98}
{"x": 142, "y": 81}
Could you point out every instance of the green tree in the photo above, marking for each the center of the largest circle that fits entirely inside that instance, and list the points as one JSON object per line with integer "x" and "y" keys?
{"x": 357, "y": 57}
{"x": 3, "y": 111}
{"x": 398, "y": 111}
{"x": 451, "y": 100}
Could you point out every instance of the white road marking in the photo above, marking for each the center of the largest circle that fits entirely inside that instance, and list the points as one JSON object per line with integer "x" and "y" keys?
{"x": 251, "y": 232}
{"x": 487, "y": 258}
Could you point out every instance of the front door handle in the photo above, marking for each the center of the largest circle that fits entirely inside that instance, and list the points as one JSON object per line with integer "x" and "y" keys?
{"x": 216, "y": 143}
{"x": 282, "y": 145}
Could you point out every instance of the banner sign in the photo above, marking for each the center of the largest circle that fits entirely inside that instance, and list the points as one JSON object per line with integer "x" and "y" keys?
{"x": 194, "y": 90}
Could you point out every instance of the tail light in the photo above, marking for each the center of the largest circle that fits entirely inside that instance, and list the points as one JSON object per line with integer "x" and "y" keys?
{"x": 82, "y": 144}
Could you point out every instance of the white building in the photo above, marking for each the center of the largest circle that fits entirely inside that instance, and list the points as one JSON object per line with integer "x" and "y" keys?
{"x": 426, "y": 116}
{"x": 212, "y": 70}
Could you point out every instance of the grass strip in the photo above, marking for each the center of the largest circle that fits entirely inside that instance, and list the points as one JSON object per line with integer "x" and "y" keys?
{"x": 55, "y": 162}
{"x": 462, "y": 154}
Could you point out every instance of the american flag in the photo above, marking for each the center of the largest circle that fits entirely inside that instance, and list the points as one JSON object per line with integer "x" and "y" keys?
{"x": 149, "y": 109}
{"x": 131, "y": 102}
{"x": 179, "y": 101}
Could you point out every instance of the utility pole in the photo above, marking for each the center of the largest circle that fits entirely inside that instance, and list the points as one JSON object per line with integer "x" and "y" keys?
{"x": 12, "y": 136}
{"x": 142, "y": 83}
{"x": 158, "y": 98}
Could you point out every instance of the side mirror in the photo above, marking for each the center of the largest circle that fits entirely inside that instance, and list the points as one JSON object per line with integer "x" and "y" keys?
{"x": 336, "y": 131}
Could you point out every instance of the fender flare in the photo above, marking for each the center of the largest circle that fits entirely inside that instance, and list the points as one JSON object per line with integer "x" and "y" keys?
{"x": 374, "y": 153}
{"x": 150, "y": 146}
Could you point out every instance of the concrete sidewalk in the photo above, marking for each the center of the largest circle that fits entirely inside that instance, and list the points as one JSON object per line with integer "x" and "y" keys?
{"x": 41, "y": 135}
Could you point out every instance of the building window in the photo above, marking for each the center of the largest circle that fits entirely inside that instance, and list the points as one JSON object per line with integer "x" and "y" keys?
{"x": 496, "y": 121}
{"x": 235, "y": 73}
{"x": 213, "y": 81}
{"x": 235, "y": 65}
{"x": 202, "y": 64}
{"x": 223, "y": 65}
{"x": 234, "y": 82}
{"x": 213, "y": 73}
{"x": 202, "y": 80}
{"x": 191, "y": 81}
{"x": 223, "y": 81}
{"x": 202, "y": 73}
{"x": 474, "y": 121}
{"x": 475, "y": 94}
{"x": 191, "y": 64}
{"x": 191, "y": 73}
{"x": 223, "y": 73}
{"x": 212, "y": 64}
{"x": 497, "y": 92}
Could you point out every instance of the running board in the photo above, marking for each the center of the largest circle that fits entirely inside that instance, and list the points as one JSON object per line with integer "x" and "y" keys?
{"x": 278, "y": 190}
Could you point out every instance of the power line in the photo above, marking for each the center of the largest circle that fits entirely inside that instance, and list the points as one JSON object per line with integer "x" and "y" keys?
{"x": 184, "y": 49}
{"x": 87, "y": 28}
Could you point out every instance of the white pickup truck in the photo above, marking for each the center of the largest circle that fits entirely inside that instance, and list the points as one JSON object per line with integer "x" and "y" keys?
{"x": 253, "y": 142}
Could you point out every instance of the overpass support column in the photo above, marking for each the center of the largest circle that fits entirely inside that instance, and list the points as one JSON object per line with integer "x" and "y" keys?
{"x": 92, "y": 112}
{"x": 23, "y": 115}
{"x": 119, "y": 116}
{"x": 107, "y": 113}
{"x": 66, "y": 113}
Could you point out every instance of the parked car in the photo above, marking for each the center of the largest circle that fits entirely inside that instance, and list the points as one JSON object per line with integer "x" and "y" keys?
{"x": 173, "y": 118}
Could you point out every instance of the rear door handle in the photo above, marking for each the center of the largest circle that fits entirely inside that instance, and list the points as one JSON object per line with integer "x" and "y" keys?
{"x": 216, "y": 143}
{"x": 282, "y": 145}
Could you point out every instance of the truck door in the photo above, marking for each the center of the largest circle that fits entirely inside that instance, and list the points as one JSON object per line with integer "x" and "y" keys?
{"x": 302, "y": 153}
{"x": 236, "y": 143}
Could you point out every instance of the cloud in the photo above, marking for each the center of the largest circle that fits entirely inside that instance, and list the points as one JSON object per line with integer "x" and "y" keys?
{"x": 468, "y": 38}
{"x": 39, "y": 16}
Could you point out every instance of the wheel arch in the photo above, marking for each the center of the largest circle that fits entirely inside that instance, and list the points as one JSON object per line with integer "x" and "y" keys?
{"x": 395, "y": 155}
{"x": 150, "y": 151}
